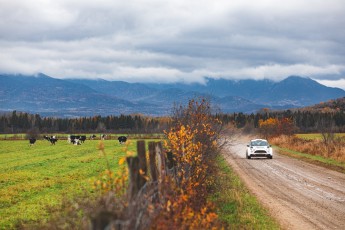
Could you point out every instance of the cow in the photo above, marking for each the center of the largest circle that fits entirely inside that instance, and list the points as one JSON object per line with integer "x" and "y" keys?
{"x": 46, "y": 138}
{"x": 103, "y": 136}
{"x": 93, "y": 136}
{"x": 73, "y": 139}
{"x": 32, "y": 141}
{"x": 51, "y": 139}
{"x": 76, "y": 140}
{"x": 122, "y": 139}
{"x": 82, "y": 139}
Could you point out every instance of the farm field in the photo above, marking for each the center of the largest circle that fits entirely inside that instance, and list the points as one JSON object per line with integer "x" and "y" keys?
{"x": 35, "y": 177}
{"x": 313, "y": 136}
{"x": 313, "y": 148}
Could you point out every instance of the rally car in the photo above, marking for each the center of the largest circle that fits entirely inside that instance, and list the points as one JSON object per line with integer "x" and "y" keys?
{"x": 259, "y": 148}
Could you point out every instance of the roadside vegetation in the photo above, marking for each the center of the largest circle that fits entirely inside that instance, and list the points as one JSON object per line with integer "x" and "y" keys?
{"x": 237, "y": 208}
{"x": 312, "y": 148}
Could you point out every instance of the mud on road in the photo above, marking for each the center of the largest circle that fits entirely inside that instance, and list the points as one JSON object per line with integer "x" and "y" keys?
{"x": 298, "y": 194}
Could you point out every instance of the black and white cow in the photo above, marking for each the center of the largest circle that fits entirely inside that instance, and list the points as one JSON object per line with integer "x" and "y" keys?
{"x": 122, "y": 139}
{"x": 93, "y": 136}
{"x": 32, "y": 141}
{"x": 103, "y": 136}
{"x": 51, "y": 139}
{"x": 74, "y": 139}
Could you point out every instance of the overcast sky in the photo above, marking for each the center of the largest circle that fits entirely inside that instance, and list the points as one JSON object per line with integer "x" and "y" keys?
{"x": 176, "y": 40}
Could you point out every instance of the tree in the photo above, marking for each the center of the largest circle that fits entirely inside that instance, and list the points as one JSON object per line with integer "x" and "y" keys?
{"x": 274, "y": 127}
{"x": 268, "y": 127}
{"x": 326, "y": 127}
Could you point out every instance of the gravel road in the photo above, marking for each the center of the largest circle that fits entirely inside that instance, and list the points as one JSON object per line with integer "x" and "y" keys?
{"x": 300, "y": 195}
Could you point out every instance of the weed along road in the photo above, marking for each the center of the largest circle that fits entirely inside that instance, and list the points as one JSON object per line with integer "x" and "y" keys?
{"x": 298, "y": 194}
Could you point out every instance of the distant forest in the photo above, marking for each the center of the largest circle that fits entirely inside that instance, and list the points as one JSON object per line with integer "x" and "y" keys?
{"x": 306, "y": 121}
{"x": 19, "y": 122}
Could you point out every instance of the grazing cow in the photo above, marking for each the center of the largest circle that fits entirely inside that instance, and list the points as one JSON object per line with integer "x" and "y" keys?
{"x": 82, "y": 139}
{"x": 76, "y": 140}
{"x": 51, "y": 139}
{"x": 93, "y": 136}
{"x": 122, "y": 139}
{"x": 103, "y": 136}
{"x": 73, "y": 139}
{"x": 32, "y": 141}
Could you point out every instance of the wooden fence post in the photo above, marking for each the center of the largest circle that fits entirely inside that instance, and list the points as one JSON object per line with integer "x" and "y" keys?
{"x": 133, "y": 168}
{"x": 137, "y": 170}
{"x": 141, "y": 149}
{"x": 160, "y": 159}
{"x": 152, "y": 156}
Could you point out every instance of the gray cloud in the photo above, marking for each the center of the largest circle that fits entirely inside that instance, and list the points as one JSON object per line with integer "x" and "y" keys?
{"x": 167, "y": 41}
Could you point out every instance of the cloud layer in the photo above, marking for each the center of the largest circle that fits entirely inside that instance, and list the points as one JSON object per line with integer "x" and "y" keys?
{"x": 169, "y": 41}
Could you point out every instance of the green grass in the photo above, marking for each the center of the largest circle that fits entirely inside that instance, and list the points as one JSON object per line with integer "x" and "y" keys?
{"x": 313, "y": 136}
{"x": 35, "y": 177}
{"x": 237, "y": 208}
{"x": 315, "y": 159}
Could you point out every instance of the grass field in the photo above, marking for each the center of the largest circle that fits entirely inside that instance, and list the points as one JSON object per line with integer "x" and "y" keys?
{"x": 35, "y": 177}
{"x": 312, "y": 148}
{"x": 312, "y": 136}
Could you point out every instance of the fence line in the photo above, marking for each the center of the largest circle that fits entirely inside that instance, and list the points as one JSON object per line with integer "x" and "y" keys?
{"x": 143, "y": 189}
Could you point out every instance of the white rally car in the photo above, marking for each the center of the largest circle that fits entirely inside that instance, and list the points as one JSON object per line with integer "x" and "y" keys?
{"x": 259, "y": 148}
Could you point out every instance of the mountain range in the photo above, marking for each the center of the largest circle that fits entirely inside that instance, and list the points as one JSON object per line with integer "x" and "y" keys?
{"x": 49, "y": 96}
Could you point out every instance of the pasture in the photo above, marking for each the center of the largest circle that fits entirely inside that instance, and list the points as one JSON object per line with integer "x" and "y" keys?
{"x": 33, "y": 178}
{"x": 318, "y": 136}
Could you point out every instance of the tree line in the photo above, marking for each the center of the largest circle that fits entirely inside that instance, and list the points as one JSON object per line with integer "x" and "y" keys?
{"x": 304, "y": 121}
{"x": 20, "y": 122}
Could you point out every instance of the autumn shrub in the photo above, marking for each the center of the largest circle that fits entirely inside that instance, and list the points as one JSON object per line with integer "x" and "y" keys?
{"x": 192, "y": 139}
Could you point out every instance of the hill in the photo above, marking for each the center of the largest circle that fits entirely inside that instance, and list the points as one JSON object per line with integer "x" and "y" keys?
{"x": 328, "y": 106}
{"x": 80, "y": 97}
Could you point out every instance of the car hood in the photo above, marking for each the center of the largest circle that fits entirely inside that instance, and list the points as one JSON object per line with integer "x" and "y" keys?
{"x": 260, "y": 147}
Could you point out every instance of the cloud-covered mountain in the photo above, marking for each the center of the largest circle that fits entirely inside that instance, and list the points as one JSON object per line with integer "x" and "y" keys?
{"x": 79, "y": 97}
{"x": 55, "y": 97}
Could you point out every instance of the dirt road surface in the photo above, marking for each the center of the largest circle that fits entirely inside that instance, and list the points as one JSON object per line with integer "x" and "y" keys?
{"x": 298, "y": 194}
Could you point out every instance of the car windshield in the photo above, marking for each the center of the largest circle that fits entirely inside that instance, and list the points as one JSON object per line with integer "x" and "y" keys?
{"x": 259, "y": 143}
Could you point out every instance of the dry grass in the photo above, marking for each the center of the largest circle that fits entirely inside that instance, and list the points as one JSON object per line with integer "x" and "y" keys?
{"x": 334, "y": 149}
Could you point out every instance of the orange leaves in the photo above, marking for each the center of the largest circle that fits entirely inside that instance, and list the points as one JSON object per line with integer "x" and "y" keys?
{"x": 122, "y": 160}
{"x": 269, "y": 122}
{"x": 275, "y": 126}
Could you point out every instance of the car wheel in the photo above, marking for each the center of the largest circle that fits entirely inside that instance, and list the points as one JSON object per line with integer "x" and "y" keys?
{"x": 270, "y": 157}
{"x": 248, "y": 157}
